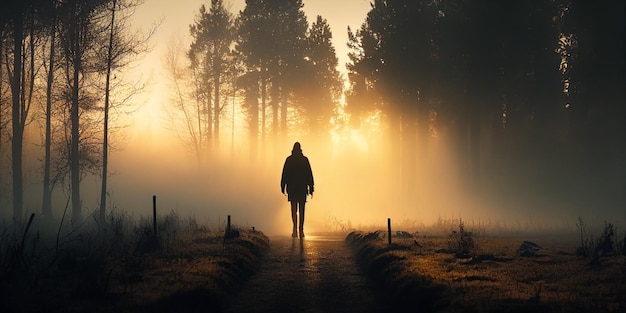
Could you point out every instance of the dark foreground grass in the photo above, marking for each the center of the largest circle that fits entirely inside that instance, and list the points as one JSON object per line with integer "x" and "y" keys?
{"x": 199, "y": 276}
{"x": 424, "y": 274}
{"x": 120, "y": 267}
{"x": 387, "y": 266}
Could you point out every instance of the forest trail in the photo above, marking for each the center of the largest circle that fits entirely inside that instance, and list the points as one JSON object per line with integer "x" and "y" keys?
{"x": 315, "y": 274}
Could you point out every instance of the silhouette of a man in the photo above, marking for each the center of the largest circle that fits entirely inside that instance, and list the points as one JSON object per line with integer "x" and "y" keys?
{"x": 297, "y": 178}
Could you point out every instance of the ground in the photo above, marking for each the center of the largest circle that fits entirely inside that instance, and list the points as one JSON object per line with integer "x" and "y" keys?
{"x": 315, "y": 274}
{"x": 338, "y": 272}
{"x": 427, "y": 272}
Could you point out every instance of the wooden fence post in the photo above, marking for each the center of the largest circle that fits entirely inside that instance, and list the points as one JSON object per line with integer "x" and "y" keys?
{"x": 389, "y": 230}
{"x": 154, "y": 217}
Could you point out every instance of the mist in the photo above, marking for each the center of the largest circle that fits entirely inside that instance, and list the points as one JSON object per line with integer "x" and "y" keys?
{"x": 358, "y": 183}
{"x": 368, "y": 172}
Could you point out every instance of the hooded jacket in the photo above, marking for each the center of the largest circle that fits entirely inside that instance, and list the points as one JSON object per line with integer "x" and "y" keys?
{"x": 297, "y": 176}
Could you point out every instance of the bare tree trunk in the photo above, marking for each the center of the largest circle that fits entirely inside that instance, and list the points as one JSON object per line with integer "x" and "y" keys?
{"x": 46, "y": 209}
{"x": 105, "y": 135}
{"x": 254, "y": 123}
{"x": 216, "y": 94}
{"x": 26, "y": 99}
{"x": 17, "y": 127}
{"x": 282, "y": 98}
{"x": 275, "y": 104}
{"x": 75, "y": 135}
{"x": 199, "y": 144}
{"x": 201, "y": 139}
{"x": 263, "y": 103}
{"x": 209, "y": 125}
{"x": 31, "y": 82}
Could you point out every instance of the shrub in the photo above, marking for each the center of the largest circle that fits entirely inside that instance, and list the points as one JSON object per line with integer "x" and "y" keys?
{"x": 586, "y": 240}
{"x": 605, "y": 244}
{"x": 461, "y": 242}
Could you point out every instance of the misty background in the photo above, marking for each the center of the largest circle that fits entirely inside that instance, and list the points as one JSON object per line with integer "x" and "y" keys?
{"x": 506, "y": 114}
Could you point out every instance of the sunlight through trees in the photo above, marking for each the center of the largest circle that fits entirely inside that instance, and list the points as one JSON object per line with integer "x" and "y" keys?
{"x": 505, "y": 103}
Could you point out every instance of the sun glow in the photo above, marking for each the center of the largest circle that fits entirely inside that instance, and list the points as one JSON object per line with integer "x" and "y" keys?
{"x": 360, "y": 173}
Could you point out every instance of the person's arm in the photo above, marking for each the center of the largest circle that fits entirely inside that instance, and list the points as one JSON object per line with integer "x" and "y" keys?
{"x": 310, "y": 176}
{"x": 283, "y": 178}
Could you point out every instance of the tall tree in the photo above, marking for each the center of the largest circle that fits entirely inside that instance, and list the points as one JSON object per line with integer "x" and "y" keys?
{"x": 465, "y": 65}
{"x": 46, "y": 209}
{"x": 213, "y": 35}
{"x": 596, "y": 67}
{"x": 255, "y": 43}
{"x": 107, "y": 92}
{"x": 21, "y": 72}
{"x": 190, "y": 102}
{"x": 291, "y": 41}
{"x": 361, "y": 99}
{"x": 321, "y": 84}
{"x": 249, "y": 83}
{"x": 396, "y": 61}
{"x": 78, "y": 35}
{"x": 29, "y": 19}
{"x": 595, "y": 97}
{"x": 122, "y": 47}
{"x": 511, "y": 77}
{"x": 272, "y": 39}
{"x": 17, "y": 9}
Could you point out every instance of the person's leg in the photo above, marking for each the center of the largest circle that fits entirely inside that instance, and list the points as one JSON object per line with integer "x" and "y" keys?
{"x": 294, "y": 217}
{"x": 301, "y": 205}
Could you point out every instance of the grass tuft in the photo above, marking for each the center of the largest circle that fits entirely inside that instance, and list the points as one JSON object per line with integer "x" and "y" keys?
{"x": 121, "y": 264}
{"x": 461, "y": 242}
{"x": 432, "y": 277}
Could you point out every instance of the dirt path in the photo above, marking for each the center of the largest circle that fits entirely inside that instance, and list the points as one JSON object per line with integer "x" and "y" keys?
{"x": 317, "y": 274}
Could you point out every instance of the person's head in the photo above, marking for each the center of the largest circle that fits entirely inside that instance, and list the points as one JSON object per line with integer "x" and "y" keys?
{"x": 296, "y": 148}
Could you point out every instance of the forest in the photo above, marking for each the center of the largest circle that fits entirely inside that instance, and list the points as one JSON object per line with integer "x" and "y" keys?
{"x": 526, "y": 98}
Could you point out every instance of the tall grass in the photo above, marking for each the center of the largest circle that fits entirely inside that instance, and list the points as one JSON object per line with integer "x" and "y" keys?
{"x": 461, "y": 242}
{"x": 49, "y": 263}
{"x": 607, "y": 243}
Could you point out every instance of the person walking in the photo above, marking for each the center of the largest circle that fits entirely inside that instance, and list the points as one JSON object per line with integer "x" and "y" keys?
{"x": 297, "y": 181}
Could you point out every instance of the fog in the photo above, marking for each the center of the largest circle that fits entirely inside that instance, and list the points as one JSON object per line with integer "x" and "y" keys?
{"x": 357, "y": 186}
{"x": 359, "y": 174}
{"x": 354, "y": 185}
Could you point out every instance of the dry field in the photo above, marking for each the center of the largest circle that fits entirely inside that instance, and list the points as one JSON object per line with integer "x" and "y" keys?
{"x": 425, "y": 273}
{"x": 197, "y": 276}
{"x": 121, "y": 268}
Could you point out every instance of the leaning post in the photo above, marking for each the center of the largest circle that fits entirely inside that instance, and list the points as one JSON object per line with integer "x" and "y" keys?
{"x": 389, "y": 230}
{"x": 154, "y": 217}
